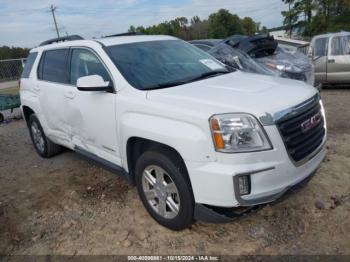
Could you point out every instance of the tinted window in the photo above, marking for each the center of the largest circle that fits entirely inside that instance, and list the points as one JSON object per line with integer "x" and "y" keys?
{"x": 85, "y": 63}
{"x": 149, "y": 65}
{"x": 29, "y": 64}
{"x": 341, "y": 45}
{"x": 205, "y": 48}
{"x": 54, "y": 66}
{"x": 320, "y": 47}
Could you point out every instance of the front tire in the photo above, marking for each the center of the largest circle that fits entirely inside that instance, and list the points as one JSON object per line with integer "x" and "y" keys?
{"x": 164, "y": 188}
{"x": 43, "y": 145}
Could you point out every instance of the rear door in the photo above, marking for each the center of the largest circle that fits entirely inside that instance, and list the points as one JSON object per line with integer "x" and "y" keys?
{"x": 319, "y": 57}
{"x": 51, "y": 87}
{"x": 338, "y": 68}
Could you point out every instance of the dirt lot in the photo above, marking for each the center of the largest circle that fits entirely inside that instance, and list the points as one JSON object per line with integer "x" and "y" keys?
{"x": 65, "y": 205}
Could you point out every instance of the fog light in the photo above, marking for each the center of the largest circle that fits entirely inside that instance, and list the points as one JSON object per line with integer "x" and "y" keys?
{"x": 244, "y": 185}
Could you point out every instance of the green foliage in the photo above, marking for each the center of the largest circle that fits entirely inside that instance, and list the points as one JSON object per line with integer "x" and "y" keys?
{"x": 13, "y": 52}
{"x": 219, "y": 25}
{"x": 223, "y": 24}
{"x": 249, "y": 26}
{"x": 312, "y": 17}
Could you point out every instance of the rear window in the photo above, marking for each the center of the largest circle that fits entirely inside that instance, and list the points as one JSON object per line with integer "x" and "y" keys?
{"x": 53, "y": 66}
{"x": 205, "y": 48}
{"x": 29, "y": 64}
{"x": 341, "y": 45}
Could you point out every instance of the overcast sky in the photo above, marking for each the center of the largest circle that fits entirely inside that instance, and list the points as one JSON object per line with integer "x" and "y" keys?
{"x": 26, "y": 23}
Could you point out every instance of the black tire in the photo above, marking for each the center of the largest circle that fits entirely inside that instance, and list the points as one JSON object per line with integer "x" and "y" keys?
{"x": 1, "y": 118}
{"x": 49, "y": 148}
{"x": 174, "y": 167}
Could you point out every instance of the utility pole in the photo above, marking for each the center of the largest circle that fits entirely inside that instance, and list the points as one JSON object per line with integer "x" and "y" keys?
{"x": 290, "y": 23}
{"x": 53, "y": 9}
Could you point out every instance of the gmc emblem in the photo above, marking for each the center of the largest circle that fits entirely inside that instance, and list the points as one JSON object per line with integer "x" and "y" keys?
{"x": 309, "y": 124}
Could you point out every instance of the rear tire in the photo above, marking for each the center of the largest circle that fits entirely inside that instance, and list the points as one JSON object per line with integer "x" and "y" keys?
{"x": 170, "y": 202}
{"x": 42, "y": 144}
{"x": 2, "y": 118}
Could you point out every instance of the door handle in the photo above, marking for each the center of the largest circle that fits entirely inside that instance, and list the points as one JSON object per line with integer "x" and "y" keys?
{"x": 37, "y": 88}
{"x": 331, "y": 61}
{"x": 69, "y": 95}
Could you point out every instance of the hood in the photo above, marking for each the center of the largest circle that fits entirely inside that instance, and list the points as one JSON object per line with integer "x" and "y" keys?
{"x": 235, "y": 92}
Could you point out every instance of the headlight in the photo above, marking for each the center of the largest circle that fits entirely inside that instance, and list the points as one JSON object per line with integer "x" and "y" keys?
{"x": 285, "y": 68}
{"x": 234, "y": 133}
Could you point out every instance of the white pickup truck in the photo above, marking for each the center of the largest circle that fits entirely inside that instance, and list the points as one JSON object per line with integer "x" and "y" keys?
{"x": 198, "y": 139}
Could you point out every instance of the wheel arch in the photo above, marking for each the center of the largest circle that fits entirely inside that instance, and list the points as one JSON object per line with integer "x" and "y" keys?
{"x": 136, "y": 146}
{"x": 27, "y": 112}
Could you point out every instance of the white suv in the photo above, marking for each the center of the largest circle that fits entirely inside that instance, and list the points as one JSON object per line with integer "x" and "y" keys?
{"x": 197, "y": 138}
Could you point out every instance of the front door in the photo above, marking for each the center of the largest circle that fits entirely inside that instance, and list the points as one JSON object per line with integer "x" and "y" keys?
{"x": 338, "y": 68}
{"x": 92, "y": 115}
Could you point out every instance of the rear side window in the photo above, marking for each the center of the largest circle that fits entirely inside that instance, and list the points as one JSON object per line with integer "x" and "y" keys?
{"x": 320, "y": 47}
{"x": 29, "y": 64}
{"x": 53, "y": 66}
{"x": 341, "y": 45}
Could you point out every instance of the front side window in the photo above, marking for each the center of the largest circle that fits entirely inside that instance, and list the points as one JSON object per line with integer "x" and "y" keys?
{"x": 29, "y": 64}
{"x": 85, "y": 63}
{"x": 341, "y": 45}
{"x": 320, "y": 47}
{"x": 53, "y": 66}
{"x": 161, "y": 64}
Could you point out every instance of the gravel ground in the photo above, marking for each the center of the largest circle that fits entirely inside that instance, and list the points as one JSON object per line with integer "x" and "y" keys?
{"x": 64, "y": 205}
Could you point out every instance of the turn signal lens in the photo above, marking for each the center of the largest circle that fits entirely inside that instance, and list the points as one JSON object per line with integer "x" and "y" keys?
{"x": 217, "y": 136}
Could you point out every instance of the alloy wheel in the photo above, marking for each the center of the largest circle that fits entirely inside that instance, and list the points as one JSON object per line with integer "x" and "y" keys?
{"x": 161, "y": 192}
{"x": 38, "y": 138}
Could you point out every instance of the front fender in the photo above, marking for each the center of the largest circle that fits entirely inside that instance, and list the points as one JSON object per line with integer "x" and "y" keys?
{"x": 191, "y": 141}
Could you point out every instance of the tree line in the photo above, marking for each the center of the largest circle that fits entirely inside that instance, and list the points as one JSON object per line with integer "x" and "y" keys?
{"x": 313, "y": 17}
{"x": 7, "y": 52}
{"x": 307, "y": 17}
{"x": 220, "y": 24}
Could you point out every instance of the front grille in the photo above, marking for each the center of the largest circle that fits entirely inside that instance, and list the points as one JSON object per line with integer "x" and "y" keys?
{"x": 301, "y": 142}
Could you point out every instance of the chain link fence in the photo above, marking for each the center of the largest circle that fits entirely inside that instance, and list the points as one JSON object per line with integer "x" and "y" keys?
{"x": 11, "y": 69}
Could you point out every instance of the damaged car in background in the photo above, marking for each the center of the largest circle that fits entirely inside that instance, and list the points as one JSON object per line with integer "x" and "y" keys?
{"x": 259, "y": 54}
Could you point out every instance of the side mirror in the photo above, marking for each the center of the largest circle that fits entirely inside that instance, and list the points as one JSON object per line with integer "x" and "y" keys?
{"x": 93, "y": 83}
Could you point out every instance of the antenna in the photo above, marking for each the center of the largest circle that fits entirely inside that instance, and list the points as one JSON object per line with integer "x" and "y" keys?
{"x": 53, "y": 9}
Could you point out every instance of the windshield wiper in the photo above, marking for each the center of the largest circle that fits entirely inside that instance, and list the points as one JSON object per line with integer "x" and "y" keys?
{"x": 182, "y": 82}
{"x": 165, "y": 85}
{"x": 209, "y": 74}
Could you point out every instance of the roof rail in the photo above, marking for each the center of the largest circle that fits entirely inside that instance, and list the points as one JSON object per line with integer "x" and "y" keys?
{"x": 126, "y": 34}
{"x": 62, "y": 39}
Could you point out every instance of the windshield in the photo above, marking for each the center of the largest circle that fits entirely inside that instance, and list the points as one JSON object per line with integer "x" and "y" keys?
{"x": 160, "y": 64}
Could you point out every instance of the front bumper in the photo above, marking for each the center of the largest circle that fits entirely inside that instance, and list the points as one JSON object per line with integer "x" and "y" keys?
{"x": 212, "y": 214}
{"x": 272, "y": 173}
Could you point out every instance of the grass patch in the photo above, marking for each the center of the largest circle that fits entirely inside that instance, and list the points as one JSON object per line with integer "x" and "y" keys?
{"x": 9, "y": 91}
